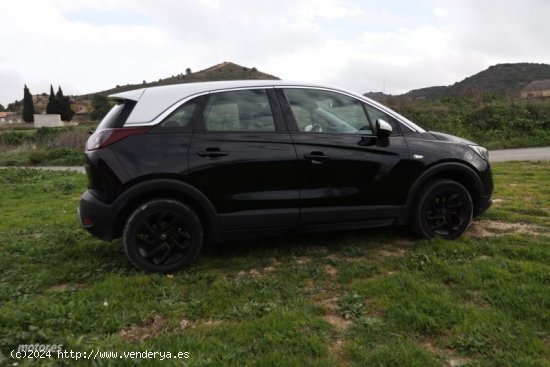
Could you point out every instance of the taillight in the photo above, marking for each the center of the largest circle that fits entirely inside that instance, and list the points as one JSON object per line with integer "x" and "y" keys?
{"x": 104, "y": 137}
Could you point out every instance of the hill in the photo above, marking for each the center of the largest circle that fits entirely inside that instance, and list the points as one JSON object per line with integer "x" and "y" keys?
{"x": 501, "y": 79}
{"x": 223, "y": 71}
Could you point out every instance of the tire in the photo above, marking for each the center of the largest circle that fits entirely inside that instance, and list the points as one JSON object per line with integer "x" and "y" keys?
{"x": 162, "y": 236}
{"x": 444, "y": 209}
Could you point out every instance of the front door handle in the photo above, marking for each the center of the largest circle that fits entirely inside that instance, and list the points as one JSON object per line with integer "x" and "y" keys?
{"x": 212, "y": 153}
{"x": 316, "y": 157}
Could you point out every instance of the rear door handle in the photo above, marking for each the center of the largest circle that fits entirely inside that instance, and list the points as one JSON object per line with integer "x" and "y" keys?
{"x": 212, "y": 153}
{"x": 316, "y": 157}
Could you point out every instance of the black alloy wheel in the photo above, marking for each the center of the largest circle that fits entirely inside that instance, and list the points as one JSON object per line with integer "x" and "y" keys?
{"x": 444, "y": 209}
{"x": 162, "y": 236}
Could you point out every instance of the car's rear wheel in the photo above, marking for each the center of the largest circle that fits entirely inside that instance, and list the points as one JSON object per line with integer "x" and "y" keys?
{"x": 444, "y": 209}
{"x": 162, "y": 236}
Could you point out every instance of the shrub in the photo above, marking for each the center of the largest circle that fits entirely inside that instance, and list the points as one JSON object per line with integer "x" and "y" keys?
{"x": 37, "y": 156}
{"x": 66, "y": 156}
{"x": 73, "y": 138}
{"x": 13, "y": 138}
{"x": 45, "y": 134}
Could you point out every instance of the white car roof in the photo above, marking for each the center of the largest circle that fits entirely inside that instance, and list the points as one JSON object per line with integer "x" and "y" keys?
{"x": 155, "y": 103}
{"x": 155, "y": 100}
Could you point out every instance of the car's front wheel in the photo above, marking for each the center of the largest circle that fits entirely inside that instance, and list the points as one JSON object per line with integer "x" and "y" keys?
{"x": 162, "y": 236}
{"x": 444, "y": 208}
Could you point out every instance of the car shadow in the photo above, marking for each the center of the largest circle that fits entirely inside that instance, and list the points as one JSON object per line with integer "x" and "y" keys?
{"x": 337, "y": 242}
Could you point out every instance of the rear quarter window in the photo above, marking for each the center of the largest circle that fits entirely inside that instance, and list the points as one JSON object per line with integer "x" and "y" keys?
{"x": 118, "y": 115}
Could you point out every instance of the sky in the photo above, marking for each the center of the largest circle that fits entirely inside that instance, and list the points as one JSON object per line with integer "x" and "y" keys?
{"x": 363, "y": 45}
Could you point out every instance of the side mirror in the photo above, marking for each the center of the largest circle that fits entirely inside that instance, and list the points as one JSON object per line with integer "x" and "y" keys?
{"x": 383, "y": 129}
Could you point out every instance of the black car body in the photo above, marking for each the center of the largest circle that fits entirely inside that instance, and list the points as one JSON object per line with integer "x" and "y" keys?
{"x": 244, "y": 157}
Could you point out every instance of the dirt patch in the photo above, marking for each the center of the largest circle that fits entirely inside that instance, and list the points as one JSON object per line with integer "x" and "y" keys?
{"x": 302, "y": 260}
{"x": 493, "y": 228}
{"x": 150, "y": 328}
{"x": 336, "y": 347}
{"x": 338, "y": 322}
{"x": 457, "y": 362}
{"x": 331, "y": 270}
{"x": 330, "y": 305}
{"x": 451, "y": 359}
{"x": 186, "y": 324}
{"x": 255, "y": 273}
{"x": 497, "y": 202}
{"x": 67, "y": 287}
{"x": 393, "y": 251}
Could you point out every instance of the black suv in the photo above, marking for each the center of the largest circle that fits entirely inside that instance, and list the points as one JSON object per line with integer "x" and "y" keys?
{"x": 172, "y": 167}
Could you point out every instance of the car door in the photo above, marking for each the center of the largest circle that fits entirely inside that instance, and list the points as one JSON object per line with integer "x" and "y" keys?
{"x": 243, "y": 160}
{"x": 347, "y": 173}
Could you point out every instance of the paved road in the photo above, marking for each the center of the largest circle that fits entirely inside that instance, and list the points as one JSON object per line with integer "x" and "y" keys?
{"x": 523, "y": 154}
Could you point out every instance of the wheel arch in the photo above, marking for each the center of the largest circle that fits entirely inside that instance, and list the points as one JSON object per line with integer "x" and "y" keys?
{"x": 455, "y": 171}
{"x": 165, "y": 188}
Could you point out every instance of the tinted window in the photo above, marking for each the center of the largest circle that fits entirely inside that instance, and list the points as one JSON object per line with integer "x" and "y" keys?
{"x": 405, "y": 129}
{"x": 117, "y": 116}
{"x": 327, "y": 112}
{"x": 247, "y": 110}
{"x": 375, "y": 114}
{"x": 182, "y": 116}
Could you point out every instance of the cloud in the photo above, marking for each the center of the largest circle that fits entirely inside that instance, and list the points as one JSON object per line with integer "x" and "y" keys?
{"x": 90, "y": 46}
{"x": 11, "y": 82}
{"x": 494, "y": 30}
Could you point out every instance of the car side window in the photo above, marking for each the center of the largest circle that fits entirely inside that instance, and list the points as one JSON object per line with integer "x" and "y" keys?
{"x": 375, "y": 114}
{"x": 181, "y": 117}
{"x": 246, "y": 110}
{"x": 319, "y": 111}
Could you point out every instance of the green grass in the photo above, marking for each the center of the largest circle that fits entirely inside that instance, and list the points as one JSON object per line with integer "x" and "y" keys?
{"x": 362, "y": 298}
{"x": 63, "y": 146}
{"x": 492, "y": 121}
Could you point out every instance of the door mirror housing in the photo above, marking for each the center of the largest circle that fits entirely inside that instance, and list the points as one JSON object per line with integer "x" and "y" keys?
{"x": 383, "y": 128}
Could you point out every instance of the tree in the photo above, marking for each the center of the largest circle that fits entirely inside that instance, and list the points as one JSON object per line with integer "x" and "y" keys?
{"x": 52, "y": 107}
{"x": 59, "y": 104}
{"x": 28, "y": 105}
{"x": 65, "y": 106}
{"x": 15, "y": 106}
{"x": 2, "y": 108}
{"x": 188, "y": 71}
{"x": 101, "y": 106}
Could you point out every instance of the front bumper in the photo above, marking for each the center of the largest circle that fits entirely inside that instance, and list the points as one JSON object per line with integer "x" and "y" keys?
{"x": 485, "y": 197}
{"x": 484, "y": 204}
{"x": 97, "y": 217}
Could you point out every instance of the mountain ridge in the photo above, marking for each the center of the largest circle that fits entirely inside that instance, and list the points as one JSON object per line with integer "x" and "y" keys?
{"x": 506, "y": 79}
{"x": 223, "y": 71}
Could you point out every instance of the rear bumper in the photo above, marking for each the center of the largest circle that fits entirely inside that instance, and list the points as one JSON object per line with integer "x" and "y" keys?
{"x": 96, "y": 217}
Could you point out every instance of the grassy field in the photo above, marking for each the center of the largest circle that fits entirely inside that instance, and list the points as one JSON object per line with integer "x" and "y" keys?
{"x": 491, "y": 121}
{"x": 363, "y": 298}
{"x": 60, "y": 146}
